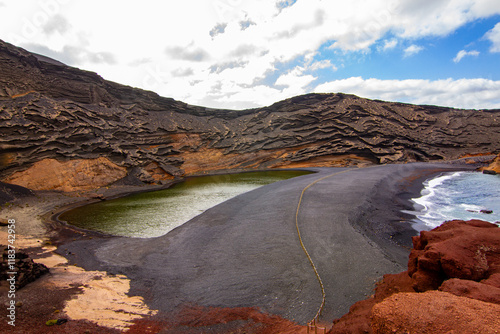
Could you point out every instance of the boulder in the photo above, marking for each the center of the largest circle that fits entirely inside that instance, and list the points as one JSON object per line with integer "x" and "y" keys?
{"x": 462, "y": 260}
{"x": 434, "y": 312}
{"x": 25, "y": 268}
{"x": 358, "y": 318}
{"x": 494, "y": 167}
{"x": 472, "y": 289}
{"x": 457, "y": 249}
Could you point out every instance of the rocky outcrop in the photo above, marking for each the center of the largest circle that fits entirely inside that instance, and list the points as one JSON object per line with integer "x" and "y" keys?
{"x": 465, "y": 250}
{"x": 19, "y": 270}
{"x": 9, "y": 192}
{"x": 477, "y": 290}
{"x": 358, "y": 320}
{"x": 452, "y": 284}
{"x": 494, "y": 167}
{"x": 68, "y": 176}
{"x": 435, "y": 312}
{"x": 52, "y": 111}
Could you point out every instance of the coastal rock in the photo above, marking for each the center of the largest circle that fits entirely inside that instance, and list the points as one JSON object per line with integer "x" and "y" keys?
{"x": 99, "y": 197}
{"x": 434, "y": 312}
{"x": 461, "y": 259}
{"x": 358, "y": 318}
{"x": 53, "y": 111}
{"x": 493, "y": 168}
{"x": 457, "y": 249}
{"x": 476, "y": 290}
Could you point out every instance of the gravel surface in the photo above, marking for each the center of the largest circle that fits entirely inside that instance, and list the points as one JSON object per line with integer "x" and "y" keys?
{"x": 245, "y": 252}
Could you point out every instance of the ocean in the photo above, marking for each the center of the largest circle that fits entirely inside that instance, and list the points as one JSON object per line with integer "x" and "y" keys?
{"x": 458, "y": 195}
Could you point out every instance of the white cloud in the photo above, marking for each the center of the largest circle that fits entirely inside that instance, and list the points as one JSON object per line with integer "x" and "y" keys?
{"x": 483, "y": 8}
{"x": 412, "y": 50}
{"x": 295, "y": 78}
{"x": 188, "y": 53}
{"x": 227, "y": 51}
{"x": 390, "y": 44}
{"x": 71, "y": 55}
{"x": 322, "y": 64}
{"x": 494, "y": 36}
{"x": 462, "y": 93}
{"x": 56, "y": 23}
{"x": 463, "y": 53}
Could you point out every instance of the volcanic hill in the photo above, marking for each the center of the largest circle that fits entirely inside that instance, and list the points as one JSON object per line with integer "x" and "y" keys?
{"x": 67, "y": 129}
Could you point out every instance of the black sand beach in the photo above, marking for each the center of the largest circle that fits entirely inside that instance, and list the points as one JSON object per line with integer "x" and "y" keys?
{"x": 245, "y": 252}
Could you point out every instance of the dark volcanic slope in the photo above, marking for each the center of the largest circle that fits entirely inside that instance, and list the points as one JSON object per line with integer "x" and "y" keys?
{"x": 54, "y": 111}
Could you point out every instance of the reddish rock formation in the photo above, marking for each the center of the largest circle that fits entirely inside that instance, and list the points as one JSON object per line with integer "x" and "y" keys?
{"x": 194, "y": 319}
{"x": 358, "y": 318}
{"x": 435, "y": 312}
{"x": 457, "y": 249}
{"x": 466, "y": 288}
{"x": 458, "y": 264}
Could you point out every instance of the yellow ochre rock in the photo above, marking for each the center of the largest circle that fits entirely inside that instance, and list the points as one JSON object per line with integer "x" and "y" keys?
{"x": 72, "y": 175}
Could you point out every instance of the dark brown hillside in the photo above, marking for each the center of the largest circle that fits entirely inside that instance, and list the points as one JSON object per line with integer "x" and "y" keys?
{"x": 52, "y": 113}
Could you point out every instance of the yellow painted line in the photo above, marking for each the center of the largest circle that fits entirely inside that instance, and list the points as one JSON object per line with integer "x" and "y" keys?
{"x": 318, "y": 277}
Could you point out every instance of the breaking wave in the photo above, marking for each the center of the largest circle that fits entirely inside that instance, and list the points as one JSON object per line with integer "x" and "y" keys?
{"x": 459, "y": 195}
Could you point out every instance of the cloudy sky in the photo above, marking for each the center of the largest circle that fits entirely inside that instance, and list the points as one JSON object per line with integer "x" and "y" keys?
{"x": 248, "y": 53}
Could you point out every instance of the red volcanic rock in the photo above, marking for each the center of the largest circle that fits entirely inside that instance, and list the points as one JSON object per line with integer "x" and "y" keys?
{"x": 434, "y": 312}
{"x": 461, "y": 259}
{"x": 471, "y": 289}
{"x": 358, "y": 318}
{"x": 457, "y": 249}
{"x": 197, "y": 319}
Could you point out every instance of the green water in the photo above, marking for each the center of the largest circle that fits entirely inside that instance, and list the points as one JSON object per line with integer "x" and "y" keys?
{"x": 153, "y": 214}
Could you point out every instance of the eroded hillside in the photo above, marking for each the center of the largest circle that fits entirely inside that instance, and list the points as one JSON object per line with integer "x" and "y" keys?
{"x": 54, "y": 117}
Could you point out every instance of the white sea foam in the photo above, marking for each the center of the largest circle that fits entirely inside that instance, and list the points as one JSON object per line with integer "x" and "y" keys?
{"x": 458, "y": 195}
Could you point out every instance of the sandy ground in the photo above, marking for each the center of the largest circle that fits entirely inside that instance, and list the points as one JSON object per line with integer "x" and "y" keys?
{"x": 243, "y": 254}
{"x": 75, "y": 293}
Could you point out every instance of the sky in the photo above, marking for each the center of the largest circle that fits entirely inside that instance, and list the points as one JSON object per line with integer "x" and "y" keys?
{"x": 240, "y": 54}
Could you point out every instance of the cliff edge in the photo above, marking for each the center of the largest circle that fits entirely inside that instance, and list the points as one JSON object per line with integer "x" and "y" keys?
{"x": 452, "y": 285}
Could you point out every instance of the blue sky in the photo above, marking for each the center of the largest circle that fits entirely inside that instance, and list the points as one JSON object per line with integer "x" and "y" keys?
{"x": 435, "y": 60}
{"x": 241, "y": 54}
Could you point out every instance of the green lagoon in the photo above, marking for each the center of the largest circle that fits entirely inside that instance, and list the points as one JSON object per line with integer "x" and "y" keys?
{"x": 152, "y": 214}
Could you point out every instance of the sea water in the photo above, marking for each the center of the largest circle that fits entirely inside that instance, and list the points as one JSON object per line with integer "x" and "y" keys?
{"x": 458, "y": 195}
